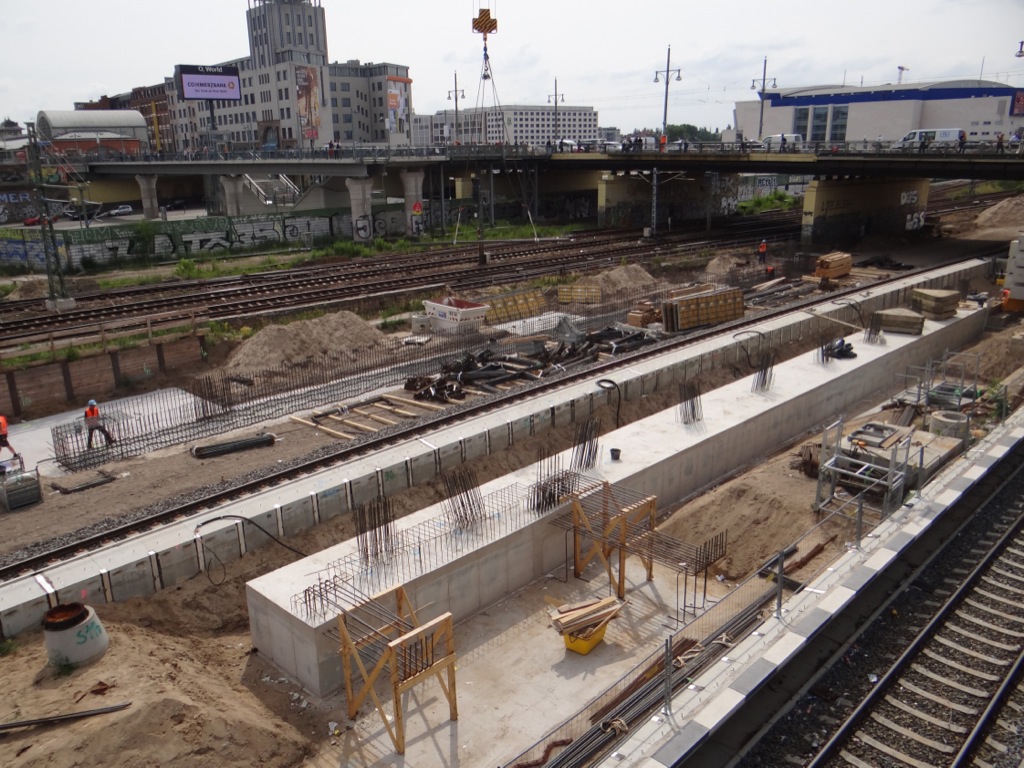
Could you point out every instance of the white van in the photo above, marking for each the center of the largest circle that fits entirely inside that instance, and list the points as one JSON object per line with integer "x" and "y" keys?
{"x": 773, "y": 143}
{"x": 933, "y": 138}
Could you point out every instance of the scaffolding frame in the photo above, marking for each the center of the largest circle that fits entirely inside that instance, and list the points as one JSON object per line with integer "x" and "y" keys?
{"x": 415, "y": 654}
{"x": 836, "y": 467}
{"x": 620, "y": 520}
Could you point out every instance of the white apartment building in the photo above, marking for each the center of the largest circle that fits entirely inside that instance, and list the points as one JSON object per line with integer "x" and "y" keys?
{"x": 292, "y": 97}
{"x": 527, "y": 124}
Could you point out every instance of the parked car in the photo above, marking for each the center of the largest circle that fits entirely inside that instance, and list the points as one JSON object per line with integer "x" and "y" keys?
{"x": 122, "y": 210}
{"x": 176, "y": 205}
{"x": 37, "y": 219}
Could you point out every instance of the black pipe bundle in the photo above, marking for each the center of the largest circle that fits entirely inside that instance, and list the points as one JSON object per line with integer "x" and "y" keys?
{"x": 232, "y": 446}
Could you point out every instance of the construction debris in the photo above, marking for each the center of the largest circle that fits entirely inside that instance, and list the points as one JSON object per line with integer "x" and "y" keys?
{"x": 586, "y": 619}
{"x": 935, "y": 304}
{"x": 701, "y": 305}
{"x": 899, "y": 321}
{"x": 833, "y": 265}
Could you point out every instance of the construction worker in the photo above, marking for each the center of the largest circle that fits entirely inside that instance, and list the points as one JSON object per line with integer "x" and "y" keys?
{"x": 762, "y": 252}
{"x": 94, "y": 422}
{"x": 4, "y": 442}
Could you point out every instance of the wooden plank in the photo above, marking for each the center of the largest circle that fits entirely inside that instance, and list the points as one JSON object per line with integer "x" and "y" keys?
{"x": 414, "y": 403}
{"x": 331, "y": 432}
{"x": 375, "y": 417}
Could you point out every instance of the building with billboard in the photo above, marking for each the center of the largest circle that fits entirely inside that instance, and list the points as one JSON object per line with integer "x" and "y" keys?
{"x": 834, "y": 113}
{"x": 289, "y": 95}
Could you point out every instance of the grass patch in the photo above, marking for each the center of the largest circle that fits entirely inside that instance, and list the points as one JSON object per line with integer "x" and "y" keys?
{"x": 776, "y": 201}
{"x": 8, "y": 646}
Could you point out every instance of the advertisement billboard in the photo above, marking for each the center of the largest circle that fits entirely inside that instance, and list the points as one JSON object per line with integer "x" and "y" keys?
{"x": 307, "y": 95}
{"x": 201, "y": 82}
{"x": 398, "y": 111}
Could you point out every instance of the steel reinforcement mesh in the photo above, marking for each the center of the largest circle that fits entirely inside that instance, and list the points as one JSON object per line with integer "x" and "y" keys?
{"x": 221, "y": 401}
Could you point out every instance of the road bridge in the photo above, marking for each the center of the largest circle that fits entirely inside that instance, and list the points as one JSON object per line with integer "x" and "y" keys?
{"x": 851, "y": 190}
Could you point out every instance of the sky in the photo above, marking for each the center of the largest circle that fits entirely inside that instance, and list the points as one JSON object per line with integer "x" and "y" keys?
{"x": 600, "y": 53}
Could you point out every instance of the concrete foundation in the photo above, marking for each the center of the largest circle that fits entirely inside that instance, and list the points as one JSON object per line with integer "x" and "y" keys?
{"x": 660, "y": 456}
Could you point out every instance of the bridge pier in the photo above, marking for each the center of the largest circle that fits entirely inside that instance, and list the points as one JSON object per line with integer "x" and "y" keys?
{"x": 233, "y": 188}
{"x": 147, "y": 189}
{"x": 359, "y": 192}
{"x": 412, "y": 191}
{"x": 841, "y": 212}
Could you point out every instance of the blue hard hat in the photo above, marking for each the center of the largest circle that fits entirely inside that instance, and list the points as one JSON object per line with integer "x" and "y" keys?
{"x": 92, "y": 402}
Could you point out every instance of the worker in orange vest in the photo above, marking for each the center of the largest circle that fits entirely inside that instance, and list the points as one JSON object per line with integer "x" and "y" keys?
{"x": 94, "y": 422}
{"x": 4, "y": 442}
{"x": 762, "y": 252}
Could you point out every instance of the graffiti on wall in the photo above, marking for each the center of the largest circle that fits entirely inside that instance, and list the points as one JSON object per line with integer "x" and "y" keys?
{"x": 184, "y": 239}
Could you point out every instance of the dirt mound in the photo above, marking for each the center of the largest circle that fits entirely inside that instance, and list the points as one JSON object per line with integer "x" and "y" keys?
{"x": 339, "y": 337}
{"x": 620, "y": 279}
{"x": 1007, "y": 213}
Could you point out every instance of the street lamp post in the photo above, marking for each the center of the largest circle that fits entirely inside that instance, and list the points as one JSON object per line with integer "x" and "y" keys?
{"x": 668, "y": 72}
{"x": 753, "y": 85}
{"x": 456, "y": 94}
{"x": 558, "y": 138}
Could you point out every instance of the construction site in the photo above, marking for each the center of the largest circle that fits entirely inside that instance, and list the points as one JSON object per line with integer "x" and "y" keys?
{"x": 521, "y": 586}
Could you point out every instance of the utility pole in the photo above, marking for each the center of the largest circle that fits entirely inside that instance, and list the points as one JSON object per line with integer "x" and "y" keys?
{"x": 457, "y": 94}
{"x": 764, "y": 85}
{"x": 668, "y": 72}
{"x": 558, "y": 138}
{"x": 54, "y": 276}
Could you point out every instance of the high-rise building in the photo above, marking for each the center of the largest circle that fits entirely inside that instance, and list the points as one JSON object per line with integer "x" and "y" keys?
{"x": 292, "y": 97}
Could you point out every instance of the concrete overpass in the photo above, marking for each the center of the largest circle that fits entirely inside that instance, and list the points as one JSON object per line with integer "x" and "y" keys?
{"x": 852, "y": 191}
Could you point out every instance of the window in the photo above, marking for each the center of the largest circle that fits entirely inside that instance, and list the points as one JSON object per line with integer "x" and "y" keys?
{"x": 819, "y": 122}
{"x": 800, "y": 118}
{"x": 839, "y": 117}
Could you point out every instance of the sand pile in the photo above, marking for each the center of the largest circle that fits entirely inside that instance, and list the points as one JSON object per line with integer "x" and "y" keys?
{"x": 620, "y": 279}
{"x": 338, "y": 337}
{"x": 1007, "y": 213}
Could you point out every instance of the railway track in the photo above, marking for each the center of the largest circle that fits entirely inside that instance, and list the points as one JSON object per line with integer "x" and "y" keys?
{"x": 933, "y": 681}
{"x": 297, "y": 289}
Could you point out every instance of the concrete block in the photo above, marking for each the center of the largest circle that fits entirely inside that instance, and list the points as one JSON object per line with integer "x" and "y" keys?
{"x": 364, "y": 489}
{"x": 521, "y": 559}
{"x": 423, "y": 467}
{"x": 132, "y": 580}
{"x": 25, "y": 602}
{"x": 451, "y": 456}
{"x": 493, "y": 575}
{"x": 254, "y": 536}
{"x": 79, "y": 582}
{"x": 394, "y": 479}
{"x": 522, "y": 428}
{"x": 463, "y": 580}
{"x": 179, "y": 563}
{"x": 542, "y": 421}
{"x": 562, "y": 414}
{"x": 582, "y": 407}
{"x": 648, "y": 383}
{"x": 297, "y": 516}
{"x": 498, "y": 438}
{"x": 474, "y": 446}
{"x": 332, "y": 502}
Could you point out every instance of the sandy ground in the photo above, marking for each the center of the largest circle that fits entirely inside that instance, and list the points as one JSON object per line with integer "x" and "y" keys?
{"x": 200, "y": 696}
